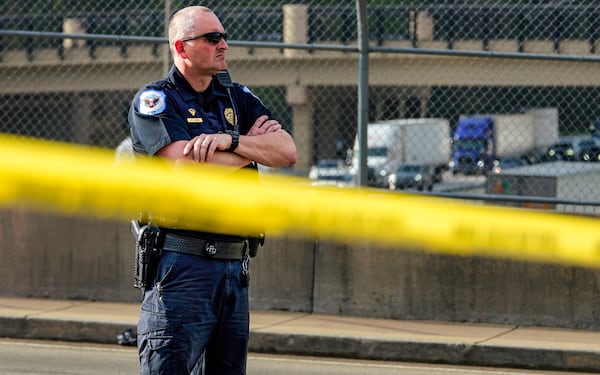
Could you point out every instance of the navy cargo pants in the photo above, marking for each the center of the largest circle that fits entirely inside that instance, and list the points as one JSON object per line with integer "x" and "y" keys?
{"x": 197, "y": 305}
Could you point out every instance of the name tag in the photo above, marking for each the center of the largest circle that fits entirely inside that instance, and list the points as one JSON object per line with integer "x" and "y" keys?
{"x": 195, "y": 120}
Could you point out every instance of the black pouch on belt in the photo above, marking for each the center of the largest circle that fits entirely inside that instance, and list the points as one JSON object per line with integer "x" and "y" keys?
{"x": 254, "y": 242}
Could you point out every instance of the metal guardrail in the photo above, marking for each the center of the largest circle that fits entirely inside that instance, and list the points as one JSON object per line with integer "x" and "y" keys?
{"x": 123, "y": 40}
{"x": 554, "y": 22}
{"x": 262, "y": 41}
{"x": 497, "y": 198}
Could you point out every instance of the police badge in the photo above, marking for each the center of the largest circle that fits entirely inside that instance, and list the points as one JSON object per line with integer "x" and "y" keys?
{"x": 229, "y": 116}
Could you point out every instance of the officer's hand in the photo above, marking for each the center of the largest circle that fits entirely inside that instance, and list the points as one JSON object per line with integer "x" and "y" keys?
{"x": 264, "y": 125}
{"x": 202, "y": 147}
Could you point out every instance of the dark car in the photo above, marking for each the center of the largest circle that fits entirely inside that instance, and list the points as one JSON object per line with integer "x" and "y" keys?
{"x": 412, "y": 175}
{"x": 573, "y": 149}
{"x": 589, "y": 150}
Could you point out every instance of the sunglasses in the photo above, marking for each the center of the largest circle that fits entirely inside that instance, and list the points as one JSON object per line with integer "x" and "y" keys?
{"x": 212, "y": 38}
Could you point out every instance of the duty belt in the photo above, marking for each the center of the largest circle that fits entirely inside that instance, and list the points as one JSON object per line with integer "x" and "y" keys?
{"x": 204, "y": 248}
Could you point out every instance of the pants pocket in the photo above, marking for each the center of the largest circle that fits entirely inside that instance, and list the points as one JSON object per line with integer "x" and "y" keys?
{"x": 158, "y": 345}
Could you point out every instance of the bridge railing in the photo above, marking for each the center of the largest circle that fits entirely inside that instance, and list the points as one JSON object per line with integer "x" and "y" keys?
{"x": 388, "y": 23}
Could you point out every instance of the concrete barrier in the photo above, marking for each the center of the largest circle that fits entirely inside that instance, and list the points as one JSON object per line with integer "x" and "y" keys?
{"x": 44, "y": 255}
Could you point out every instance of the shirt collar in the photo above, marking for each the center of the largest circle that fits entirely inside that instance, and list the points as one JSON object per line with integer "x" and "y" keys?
{"x": 187, "y": 92}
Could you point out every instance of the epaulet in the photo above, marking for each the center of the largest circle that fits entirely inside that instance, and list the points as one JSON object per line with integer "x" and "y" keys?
{"x": 157, "y": 85}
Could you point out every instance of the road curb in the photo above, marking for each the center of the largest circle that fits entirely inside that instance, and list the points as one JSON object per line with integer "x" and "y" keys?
{"x": 425, "y": 352}
{"x": 484, "y": 354}
{"x": 64, "y": 330}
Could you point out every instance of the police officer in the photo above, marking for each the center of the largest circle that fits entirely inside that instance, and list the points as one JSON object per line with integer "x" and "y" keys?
{"x": 198, "y": 303}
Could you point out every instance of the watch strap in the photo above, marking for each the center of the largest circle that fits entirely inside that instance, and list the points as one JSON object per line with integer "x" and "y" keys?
{"x": 235, "y": 140}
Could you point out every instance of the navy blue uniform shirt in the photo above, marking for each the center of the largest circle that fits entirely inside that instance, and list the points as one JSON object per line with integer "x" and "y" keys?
{"x": 170, "y": 110}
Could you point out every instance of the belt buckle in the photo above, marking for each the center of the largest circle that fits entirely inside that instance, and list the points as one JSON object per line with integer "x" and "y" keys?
{"x": 210, "y": 249}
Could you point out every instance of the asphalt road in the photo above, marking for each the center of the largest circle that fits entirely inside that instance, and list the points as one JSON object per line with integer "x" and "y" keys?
{"x": 32, "y": 357}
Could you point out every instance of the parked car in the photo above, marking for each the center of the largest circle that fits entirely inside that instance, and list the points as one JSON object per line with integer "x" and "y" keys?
{"x": 574, "y": 149}
{"x": 412, "y": 175}
{"x": 537, "y": 155}
{"x": 503, "y": 164}
{"x": 326, "y": 168}
{"x": 589, "y": 150}
{"x": 330, "y": 172}
{"x": 567, "y": 148}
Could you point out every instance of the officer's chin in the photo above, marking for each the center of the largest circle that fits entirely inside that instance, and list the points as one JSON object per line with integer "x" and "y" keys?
{"x": 222, "y": 61}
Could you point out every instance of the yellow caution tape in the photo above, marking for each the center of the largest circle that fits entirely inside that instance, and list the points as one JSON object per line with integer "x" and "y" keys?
{"x": 81, "y": 180}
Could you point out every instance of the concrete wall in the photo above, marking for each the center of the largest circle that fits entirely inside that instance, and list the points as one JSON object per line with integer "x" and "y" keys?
{"x": 43, "y": 255}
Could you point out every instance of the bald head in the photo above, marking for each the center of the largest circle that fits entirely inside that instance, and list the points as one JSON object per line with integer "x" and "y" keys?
{"x": 183, "y": 22}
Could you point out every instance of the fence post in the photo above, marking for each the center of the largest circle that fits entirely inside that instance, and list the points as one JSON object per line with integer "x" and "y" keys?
{"x": 363, "y": 90}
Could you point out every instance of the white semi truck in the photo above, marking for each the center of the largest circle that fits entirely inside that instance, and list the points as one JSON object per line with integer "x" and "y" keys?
{"x": 393, "y": 142}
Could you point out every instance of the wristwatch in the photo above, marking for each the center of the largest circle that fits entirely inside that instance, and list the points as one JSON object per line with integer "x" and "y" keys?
{"x": 235, "y": 140}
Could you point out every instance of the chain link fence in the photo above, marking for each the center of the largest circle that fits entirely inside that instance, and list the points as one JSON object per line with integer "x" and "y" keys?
{"x": 465, "y": 98}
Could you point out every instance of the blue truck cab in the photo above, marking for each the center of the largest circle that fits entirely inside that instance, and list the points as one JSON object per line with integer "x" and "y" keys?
{"x": 473, "y": 145}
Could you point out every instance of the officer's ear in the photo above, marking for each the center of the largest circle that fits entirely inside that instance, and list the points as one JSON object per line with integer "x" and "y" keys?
{"x": 179, "y": 47}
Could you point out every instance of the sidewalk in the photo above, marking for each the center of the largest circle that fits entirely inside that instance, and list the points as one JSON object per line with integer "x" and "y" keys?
{"x": 326, "y": 335}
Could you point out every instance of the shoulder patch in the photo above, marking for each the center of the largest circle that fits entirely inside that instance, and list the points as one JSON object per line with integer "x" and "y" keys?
{"x": 152, "y": 102}
{"x": 247, "y": 91}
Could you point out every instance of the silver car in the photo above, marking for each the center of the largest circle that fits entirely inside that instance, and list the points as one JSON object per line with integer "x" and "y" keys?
{"x": 330, "y": 172}
{"x": 412, "y": 175}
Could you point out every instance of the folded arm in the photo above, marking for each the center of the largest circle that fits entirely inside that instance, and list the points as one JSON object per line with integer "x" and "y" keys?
{"x": 266, "y": 143}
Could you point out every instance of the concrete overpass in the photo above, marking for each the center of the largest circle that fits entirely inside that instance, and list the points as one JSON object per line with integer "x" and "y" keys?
{"x": 272, "y": 67}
